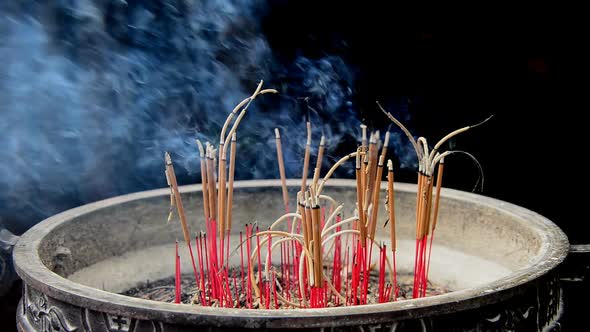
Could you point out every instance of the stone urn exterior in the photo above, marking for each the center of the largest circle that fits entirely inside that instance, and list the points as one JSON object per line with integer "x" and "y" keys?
{"x": 499, "y": 261}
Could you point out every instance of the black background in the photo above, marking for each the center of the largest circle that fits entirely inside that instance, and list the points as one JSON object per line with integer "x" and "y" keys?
{"x": 456, "y": 66}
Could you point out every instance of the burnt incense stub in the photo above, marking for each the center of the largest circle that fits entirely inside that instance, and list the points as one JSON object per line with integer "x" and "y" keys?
{"x": 497, "y": 260}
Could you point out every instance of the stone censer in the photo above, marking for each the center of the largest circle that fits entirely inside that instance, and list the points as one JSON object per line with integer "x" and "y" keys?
{"x": 497, "y": 260}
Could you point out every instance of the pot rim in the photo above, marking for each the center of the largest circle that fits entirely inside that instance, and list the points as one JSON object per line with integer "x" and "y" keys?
{"x": 28, "y": 264}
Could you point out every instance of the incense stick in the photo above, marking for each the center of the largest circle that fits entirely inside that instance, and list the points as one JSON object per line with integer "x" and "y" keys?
{"x": 230, "y": 188}
{"x": 282, "y": 169}
{"x": 180, "y": 208}
{"x": 375, "y": 203}
{"x": 306, "y": 157}
{"x": 391, "y": 205}
{"x": 318, "y": 164}
{"x": 204, "y": 180}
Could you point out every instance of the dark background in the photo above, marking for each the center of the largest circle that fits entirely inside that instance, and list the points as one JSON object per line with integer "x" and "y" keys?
{"x": 447, "y": 68}
{"x": 456, "y": 66}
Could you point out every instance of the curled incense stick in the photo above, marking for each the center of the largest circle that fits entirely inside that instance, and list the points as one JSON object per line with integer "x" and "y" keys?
{"x": 333, "y": 169}
{"x": 455, "y": 133}
{"x": 223, "y": 139}
{"x": 402, "y": 127}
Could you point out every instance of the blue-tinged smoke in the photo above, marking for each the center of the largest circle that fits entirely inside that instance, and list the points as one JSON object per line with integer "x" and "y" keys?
{"x": 92, "y": 92}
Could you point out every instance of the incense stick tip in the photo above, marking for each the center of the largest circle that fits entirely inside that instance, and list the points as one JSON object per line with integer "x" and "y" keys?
{"x": 373, "y": 138}
{"x": 201, "y": 150}
{"x": 390, "y": 165}
{"x": 386, "y": 140}
{"x": 484, "y": 121}
{"x": 277, "y": 133}
{"x": 322, "y": 140}
{"x": 167, "y": 158}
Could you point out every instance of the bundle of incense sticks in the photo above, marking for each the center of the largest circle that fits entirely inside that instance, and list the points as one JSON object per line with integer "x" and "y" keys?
{"x": 326, "y": 258}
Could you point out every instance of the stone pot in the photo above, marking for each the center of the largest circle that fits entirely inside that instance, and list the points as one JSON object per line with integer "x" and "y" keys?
{"x": 498, "y": 259}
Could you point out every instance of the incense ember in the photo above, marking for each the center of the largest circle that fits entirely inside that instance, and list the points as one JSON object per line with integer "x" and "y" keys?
{"x": 325, "y": 258}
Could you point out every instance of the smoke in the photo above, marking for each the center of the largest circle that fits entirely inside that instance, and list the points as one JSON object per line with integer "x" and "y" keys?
{"x": 92, "y": 92}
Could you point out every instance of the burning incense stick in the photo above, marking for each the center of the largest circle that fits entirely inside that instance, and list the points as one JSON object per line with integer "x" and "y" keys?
{"x": 306, "y": 157}
{"x": 385, "y": 145}
{"x": 363, "y": 137}
{"x": 318, "y": 164}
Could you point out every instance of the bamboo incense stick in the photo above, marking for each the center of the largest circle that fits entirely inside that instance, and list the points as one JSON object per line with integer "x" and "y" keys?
{"x": 435, "y": 214}
{"x": 359, "y": 197}
{"x": 204, "y": 181}
{"x": 230, "y": 189}
{"x": 178, "y": 199}
{"x": 375, "y": 203}
{"x": 391, "y": 205}
{"x": 221, "y": 187}
{"x": 439, "y": 177}
{"x": 385, "y": 145}
{"x": 308, "y": 221}
{"x": 371, "y": 166}
{"x": 306, "y": 157}
{"x": 211, "y": 191}
{"x": 180, "y": 209}
{"x": 282, "y": 169}
{"x": 316, "y": 176}
{"x": 302, "y": 212}
{"x": 318, "y": 164}
{"x": 317, "y": 247}
{"x": 364, "y": 137}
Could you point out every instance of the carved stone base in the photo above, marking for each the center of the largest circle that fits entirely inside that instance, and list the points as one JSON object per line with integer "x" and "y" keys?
{"x": 536, "y": 307}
